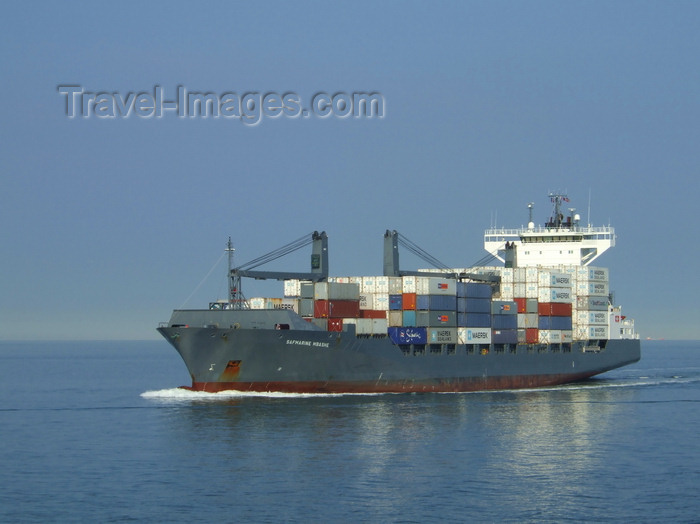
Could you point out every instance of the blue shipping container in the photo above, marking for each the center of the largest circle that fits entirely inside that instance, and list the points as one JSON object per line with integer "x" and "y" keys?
{"x": 436, "y": 302}
{"x": 504, "y": 336}
{"x": 504, "y": 321}
{"x": 474, "y": 319}
{"x": 554, "y": 323}
{"x": 395, "y": 302}
{"x": 409, "y": 318}
{"x": 408, "y": 335}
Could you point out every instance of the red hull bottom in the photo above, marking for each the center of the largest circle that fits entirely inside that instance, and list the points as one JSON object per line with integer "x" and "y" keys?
{"x": 407, "y": 386}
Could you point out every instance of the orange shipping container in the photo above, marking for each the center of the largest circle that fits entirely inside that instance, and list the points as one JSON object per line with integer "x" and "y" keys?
{"x": 522, "y": 304}
{"x": 532, "y": 335}
{"x": 372, "y": 313}
{"x": 409, "y": 301}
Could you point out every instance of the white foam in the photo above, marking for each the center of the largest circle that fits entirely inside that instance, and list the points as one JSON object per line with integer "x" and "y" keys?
{"x": 180, "y": 394}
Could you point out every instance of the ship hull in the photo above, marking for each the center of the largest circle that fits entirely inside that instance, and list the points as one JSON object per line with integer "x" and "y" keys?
{"x": 250, "y": 355}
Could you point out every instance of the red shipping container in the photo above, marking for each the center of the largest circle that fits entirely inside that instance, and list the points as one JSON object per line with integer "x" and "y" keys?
{"x": 522, "y": 304}
{"x": 372, "y": 313}
{"x": 409, "y": 301}
{"x": 532, "y": 335}
{"x": 321, "y": 308}
{"x": 335, "y": 324}
{"x": 553, "y": 309}
{"x": 343, "y": 308}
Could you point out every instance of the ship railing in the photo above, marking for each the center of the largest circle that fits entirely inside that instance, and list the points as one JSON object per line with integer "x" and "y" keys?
{"x": 499, "y": 231}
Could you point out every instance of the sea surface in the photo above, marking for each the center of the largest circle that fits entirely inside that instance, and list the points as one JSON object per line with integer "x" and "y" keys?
{"x": 99, "y": 432}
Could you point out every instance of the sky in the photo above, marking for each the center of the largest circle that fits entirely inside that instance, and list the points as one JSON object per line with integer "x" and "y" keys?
{"x": 108, "y": 224}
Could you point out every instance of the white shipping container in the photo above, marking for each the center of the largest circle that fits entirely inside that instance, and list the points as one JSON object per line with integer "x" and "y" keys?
{"x": 256, "y": 303}
{"x": 593, "y": 289}
{"x": 291, "y": 304}
{"x": 555, "y": 294}
{"x": 554, "y": 279}
{"x": 381, "y": 301}
{"x": 567, "y": 336}
{"x": 369, "y": 285}
{"x": 371, "y": 326}
{"x": 591, "y": 318}
{"x": 366, "y": 300}
{"x": 395, "y": 285}
{"x": 436, "y": 286}
{"x": 590, "y": 274}
{"x": 527, "y": 320}
{"x": 532, "y": 275}
{"x": 602, "y": 332}
{"x": 550, "y": 336}
{"x": 381, "y": 285}
{"x": 292, "y": 288}
{"x": 467, "y": 335}
{"x": 586, "y": 303}
{"x": 531, "y": 291}
{"x": 408, "y": 284}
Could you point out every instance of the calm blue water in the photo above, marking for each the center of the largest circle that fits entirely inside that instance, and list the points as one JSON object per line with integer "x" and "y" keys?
{"x": 96, "y": 431}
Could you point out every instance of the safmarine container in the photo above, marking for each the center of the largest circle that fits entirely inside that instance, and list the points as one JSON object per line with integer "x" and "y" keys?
{"x": 436, "y": 286}
{"x": 408, "y": 335}
{"x": 592, "y": 303}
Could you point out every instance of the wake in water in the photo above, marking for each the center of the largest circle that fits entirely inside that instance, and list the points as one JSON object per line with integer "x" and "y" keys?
{"x": 179, "y": 394}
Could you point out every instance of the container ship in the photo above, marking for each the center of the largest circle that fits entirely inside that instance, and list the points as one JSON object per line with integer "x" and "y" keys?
{"x": 541, "y": 315}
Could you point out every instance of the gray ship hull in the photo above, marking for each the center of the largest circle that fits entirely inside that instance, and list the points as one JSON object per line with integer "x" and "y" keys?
{"x": 276, "y": 350}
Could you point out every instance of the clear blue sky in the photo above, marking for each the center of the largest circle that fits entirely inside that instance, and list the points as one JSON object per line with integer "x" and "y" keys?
{"x": 109, "y": 224}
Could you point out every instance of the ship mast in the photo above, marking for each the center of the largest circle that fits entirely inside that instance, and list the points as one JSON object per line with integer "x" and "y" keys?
{"x": 234, "y": 282}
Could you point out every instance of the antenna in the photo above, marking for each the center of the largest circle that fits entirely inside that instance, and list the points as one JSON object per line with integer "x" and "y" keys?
{"x": 589, "y": 207}
{"x": 233, "y": 285}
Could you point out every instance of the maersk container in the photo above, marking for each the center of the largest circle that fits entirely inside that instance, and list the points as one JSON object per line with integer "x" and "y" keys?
{"x": 527, "y": 320}
{"x": 592, "y": 317}
{"x": 555, "y": 294}
{"x": 600, "y": 289}
{"x": 589, "y": 273}
{"x": 504, "y": 321}
{"x": 436, "y": 318}
{"x": 467, "y": 335}
{"x": 366, "y": 300}
{"x": 504, "y": 336}
{"x": 409, "y": 317}
{"x": 474, "y": 320}
{"x": 291, "y": 304}
{"x": 601, "y": 332}
{"x": 558, "y": 323}
{"x": 395, "y": 302}
{"x": 504, "y": 307}
{"x": 440, "y": 302}
{"x": 591, "y": 303}
{"x": 408, "y": 335}
{"x": 436, "y": 286}
{"x": 442, "y": 335}
{"x": 554, "y": 279}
